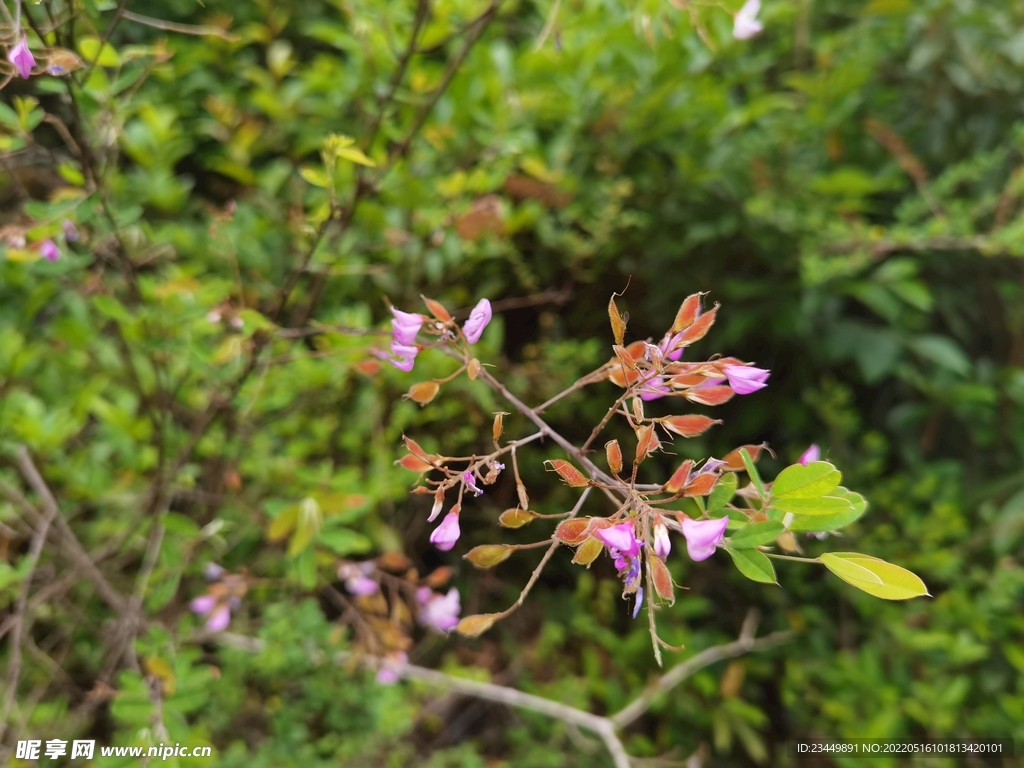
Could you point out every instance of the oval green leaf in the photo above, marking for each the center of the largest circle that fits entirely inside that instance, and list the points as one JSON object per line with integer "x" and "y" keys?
{"x": 753, "y": 564}
{"x": 832, "y": 522}
{"x": 812, "y": 481}
{"x": 756, "y": 534}
{"x": 488, "y": 555}
{"x": 725, "y": 488}
{"x": 342, "y": 541}
{"x": 89, "y": 47}
{"x": 874, "y": 576}
{"x": 822, "y": 505}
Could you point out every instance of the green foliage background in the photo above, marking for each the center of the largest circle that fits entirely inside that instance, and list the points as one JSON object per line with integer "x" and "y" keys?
{"x": 847, "y": 184}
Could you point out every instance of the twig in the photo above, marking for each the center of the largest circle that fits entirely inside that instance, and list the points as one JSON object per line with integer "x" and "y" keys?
{"x": 184, "y": 29}
{"x": 50, "y": 511}
{"x": 743, "y": 645}
{"x": 605, "y": 727}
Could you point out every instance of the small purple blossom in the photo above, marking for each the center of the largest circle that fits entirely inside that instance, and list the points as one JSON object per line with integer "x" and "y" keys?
{"x": 212, "y": 571}
{"x": 405, "y": 326}
{"x": 21, "y": 57}
{"x": 470, "y": 482}
{"x": 218, "y": 615}
{"x": 654, "y": 388}
{"x": 621, "y": 538}
{"x": 745, "y": 379}
{"x": 703, "y": 537}
{"x": 356, "y": 577}
{"x": 639, "y": 601}
{"x": 811, "y": 454}
{"x": 669, "y": 348}
{"x": 70, "y": 230}
{"x": 447, "y": 533}
{"x": 439, "y": 612}
{"x": 49, "y": 250}
{"x": 388, "y": 672}
{"x": 745, "y": 24}
{"x": 478, "y": 320}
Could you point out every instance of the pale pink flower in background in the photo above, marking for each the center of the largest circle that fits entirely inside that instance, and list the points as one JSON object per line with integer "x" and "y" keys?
{"x": 811, "y": 454}
{"x": 439, "y": 612}
{"x": 745, "y": 24}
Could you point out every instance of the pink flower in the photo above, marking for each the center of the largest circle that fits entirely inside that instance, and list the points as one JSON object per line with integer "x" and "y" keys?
{"x": 662, "y": 545}
{"x": 745, "y": 379}
{"x": 440, "y": 613}
{"x": 21, "y": 57}
{"x": 703, "y": 536}
{"x": 621, "y": 538}
{"x": 811, "y": 454}
{"x": 405, "y": 326}
{"x": 70, "y": 230}
{"x": 478, "y": 320}
{"x": 361, "y": 586}
{"x": 470, "y": 482}
{"x": 447, "y": 533}
{"x": 745, "y": 24}
{"x": 669, "y": 348}
{"x": 654, "y": 388}
{"x": 217, "y": 614}
{"x": 390, "y": 667}
{"x": 404, "y": 355}
{"x": 49, "y": 251}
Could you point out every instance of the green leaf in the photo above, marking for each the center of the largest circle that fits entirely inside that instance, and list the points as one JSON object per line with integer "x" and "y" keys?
{"x": 178, "y": 523}
{"x": 806, "y": 482}
{"x": 752, "y": 472}
{"x": 834, "y": 521}
{"x": 255, "y": 321}
{"x": 874, "y": 576}
{"x": 314, "y": 176}
{"x": 755, "y": 535}
{"x": 753, "y": 564}
{"x": 823, "y": 505}
{"x": 343, "y": 541}
{"x": 89, "y": 47}
{"x": 724, "y": 490}
{"x": 307, "y": 525}
{"x": 112, "y": 308}
{"x": 356, "y": 156}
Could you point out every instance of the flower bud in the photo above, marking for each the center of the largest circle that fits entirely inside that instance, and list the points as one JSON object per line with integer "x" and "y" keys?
{"x": 438, "y": 503}
{"x": 614, "y": 454}
{"x": 662, "y": 545}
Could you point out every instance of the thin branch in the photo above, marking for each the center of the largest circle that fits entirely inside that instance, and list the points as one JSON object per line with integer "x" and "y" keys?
{"x": 50, "y": 511}
{"x": 743, "y": 645}
{"x": 184, "y": 29}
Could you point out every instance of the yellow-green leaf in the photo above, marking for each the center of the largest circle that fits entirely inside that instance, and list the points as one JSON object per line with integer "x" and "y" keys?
{"x": 515, "y": 518}
{"x": 823, "y": 505}
{"x": 810, "y": 482}
{"x": 874, "y": 576}
{"x": 832, "y": 522}
{"x": 283, "y": 524}
{"x": 587, "y": 552}
{"x": 307, "y": 525}
{"x": 314, "y": 176}
{"x": 356, "y": 156}
{"x": 89, "y": 47}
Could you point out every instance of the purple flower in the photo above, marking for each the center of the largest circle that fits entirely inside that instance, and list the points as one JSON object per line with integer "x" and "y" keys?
{"x": 49, "y": 250}
{"x": 447, "y": 533}
{"x": 388, "y": 672}
{"x": 811, "y": 454}
{"x": 440, "y": 613}
{"x": 217, "y": 614}
{"x": 745, "y": 24}
{"x": 654, "y": 388}
{"x": 212, "y": 572}
{"x": 361, "y": 586}
{"x": 467, "y": 478}
{"x": 21, "y": 57}
{"x": 703, "y": 536}
{"x": 620, "y": 538}
{"x": 662, "y": 545}
{"x": 70, "y": 230}
{"x": 404, "y": 355}
{"x": 668, "y": 346}
{"x": 478, "y": 320}
{"x": 405, "y": 326}
{"x": 745, "y": 379}
{"x": 639, "y": 601}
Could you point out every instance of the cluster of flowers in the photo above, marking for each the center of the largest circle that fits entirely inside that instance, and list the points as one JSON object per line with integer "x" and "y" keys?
{"x": 223, "y": 595}
{"x": 406, "y": 326}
